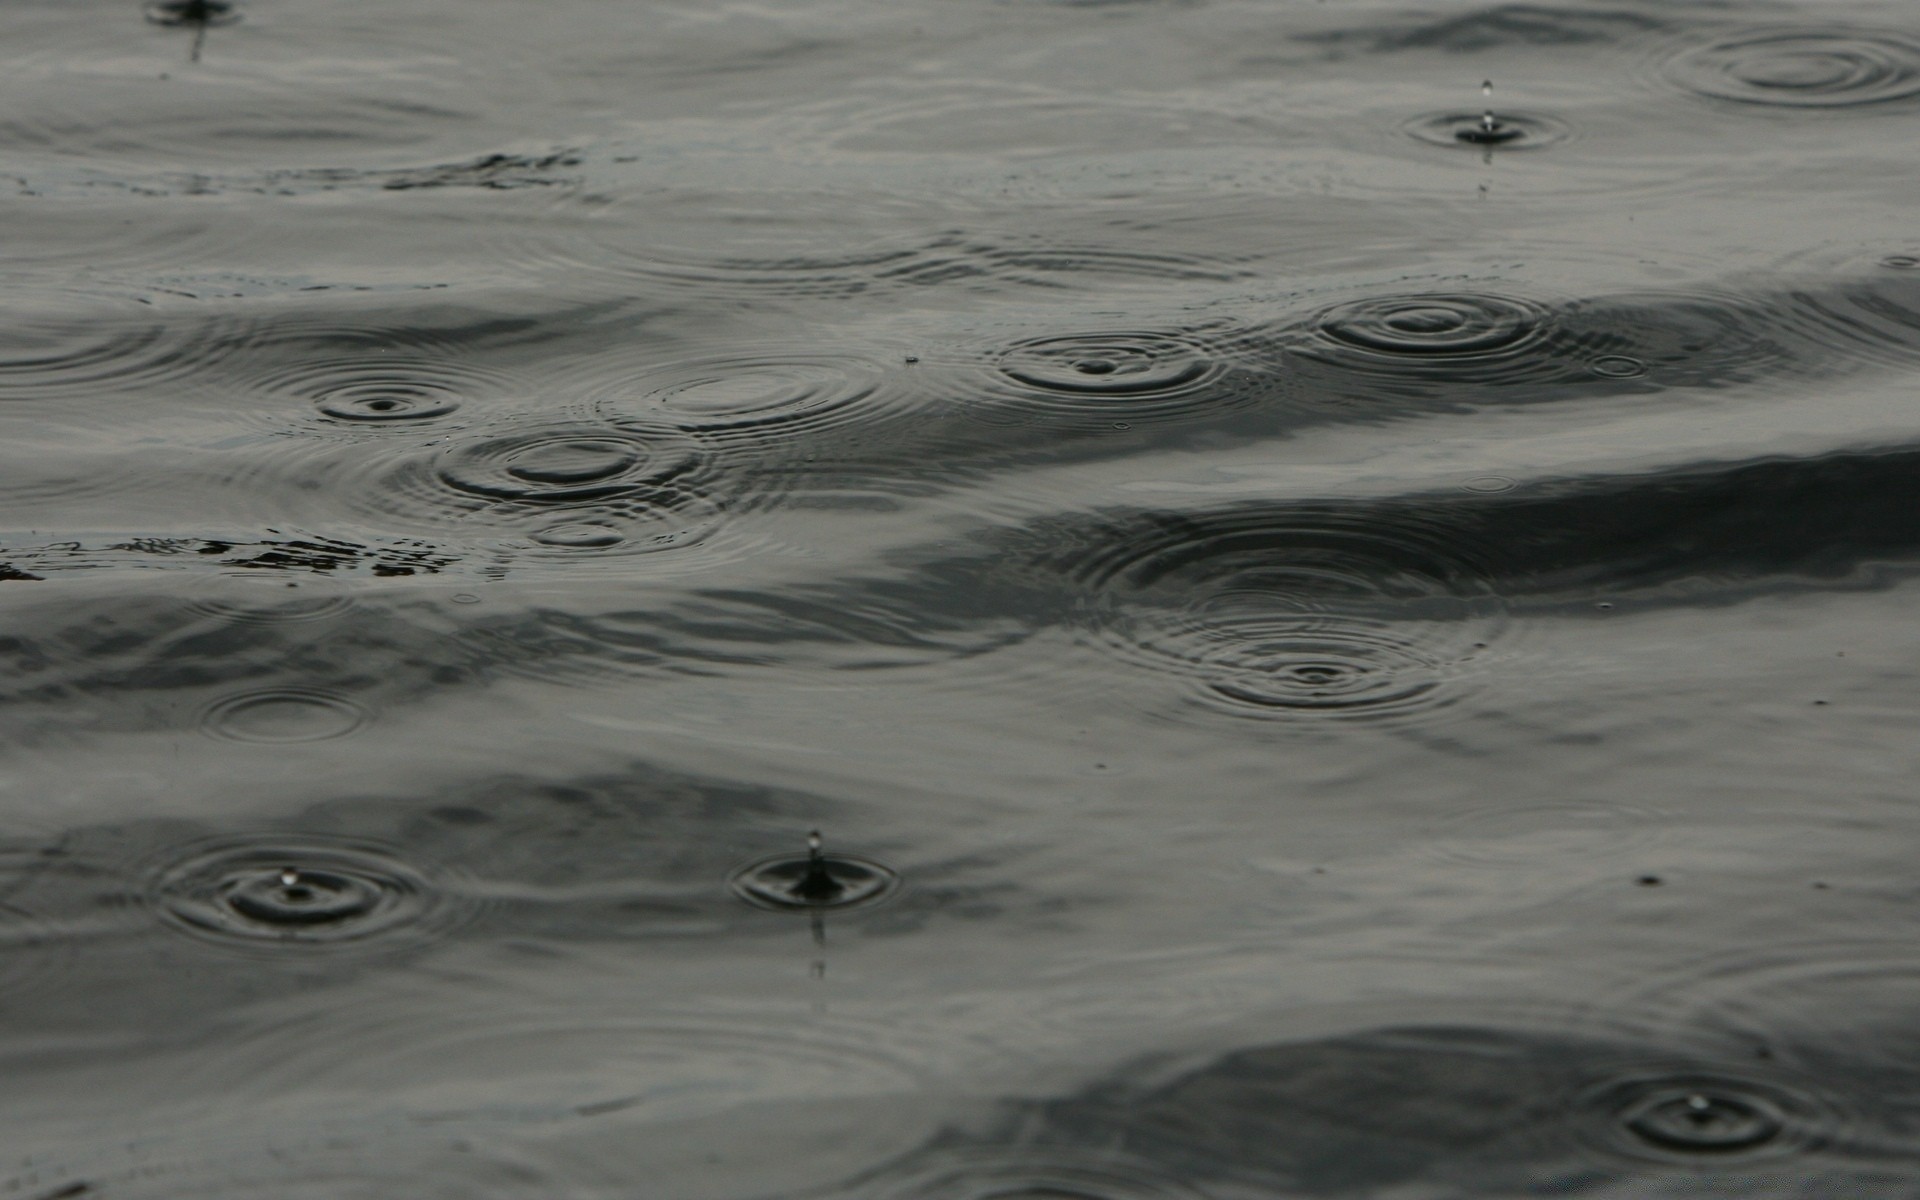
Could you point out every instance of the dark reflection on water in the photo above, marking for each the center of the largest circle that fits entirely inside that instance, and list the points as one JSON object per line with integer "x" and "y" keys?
{"x": 1444, "y": 1110}
{"x": 951, "y": 601}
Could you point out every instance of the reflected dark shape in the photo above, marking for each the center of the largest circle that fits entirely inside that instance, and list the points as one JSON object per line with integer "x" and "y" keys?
{"x": 301, "y": 890}
{"x": 1802, "y": 68}
{"x": 1450, "y": 1111}
{"x": 1505, "y": 26}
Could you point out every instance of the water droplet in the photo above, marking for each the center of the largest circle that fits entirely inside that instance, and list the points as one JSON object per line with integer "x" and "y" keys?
{"x": 1695, "y": 1118}
{"x": 192, "y": 12}
{"x": 815, "y": 880}
{"x": 242, "y": 891}
{"x": 1901, "y": 262}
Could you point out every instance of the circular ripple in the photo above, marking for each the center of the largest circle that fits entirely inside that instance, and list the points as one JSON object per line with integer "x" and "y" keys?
{"x": 78, "y": 347}
{"x": 1545, "y": 834}
{"x": 1618, "y": 366}
{"x": 568, "y": 495}
{"x": 1100, "y": 379}
{"x": 799, "y": 881}
{"x": 1705, "y": 1117}
{"x": 269, "y": 596}
{"x": 1313, "y": 612}
{"x": 1434, "y": 326}
{"x": 1802, "y": 68}
{"x": 1510, "y": 131}
{"x": 266, "y": 891}
{"x": 1834, "y": 1008}
{"x": 562, "y": 465}
{"x": 752, "y": 397}
{"x": 283, "y": 715}
{"x": 384, "y": 392}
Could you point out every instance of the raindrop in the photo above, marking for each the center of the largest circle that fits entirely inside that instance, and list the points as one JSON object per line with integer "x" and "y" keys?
{"x": 1485, "y": 128}
{"x": 1489, "y": 484}
{"x": 1490, "y": 131}
{"x": 244, "y": 891}
{"x": 192, "y": 12}
{"x": 1901, "y": 262}
{"x": 813, "y": 881}
{"x": 1694, "y": 1117}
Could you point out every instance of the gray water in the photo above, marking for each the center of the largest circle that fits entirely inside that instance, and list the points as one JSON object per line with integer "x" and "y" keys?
{"x": 1336, "y": 645}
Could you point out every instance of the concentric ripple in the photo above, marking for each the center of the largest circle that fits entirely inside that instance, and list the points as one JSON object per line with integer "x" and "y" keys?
{"x": 752, "y": 397}
{"x": 1434, "y": 326}
{"x": 1103, "y": 378}
{"x": 813, "y": 881}
{"x": 283, "y": 715}
{"x": 300, "y": 891}
{"x": 564, "y": 493}
{"x": 1510, "y": 131}
{"x": 1704, "y": 1117}
{"x": 1315, "y": 612}
{"x": 262, "y": 596}
{"x": 385, "y": 392}
{"x": 74, "y": 348}
{"x": 1832, "y": 1007}
{"x": 1802, "y": 68}
{"x": 562, "y": 465}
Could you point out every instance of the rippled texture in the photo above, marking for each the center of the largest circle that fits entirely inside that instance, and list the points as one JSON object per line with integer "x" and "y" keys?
{"x": 1803, "y": 68}
{"x": 1299, "y": 613}
{"x": 987, "y": 600}
{"x": 289, "y": 893}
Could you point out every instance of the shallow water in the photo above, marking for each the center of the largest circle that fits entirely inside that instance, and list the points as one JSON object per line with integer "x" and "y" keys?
{"x": 1335, "y": 648}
